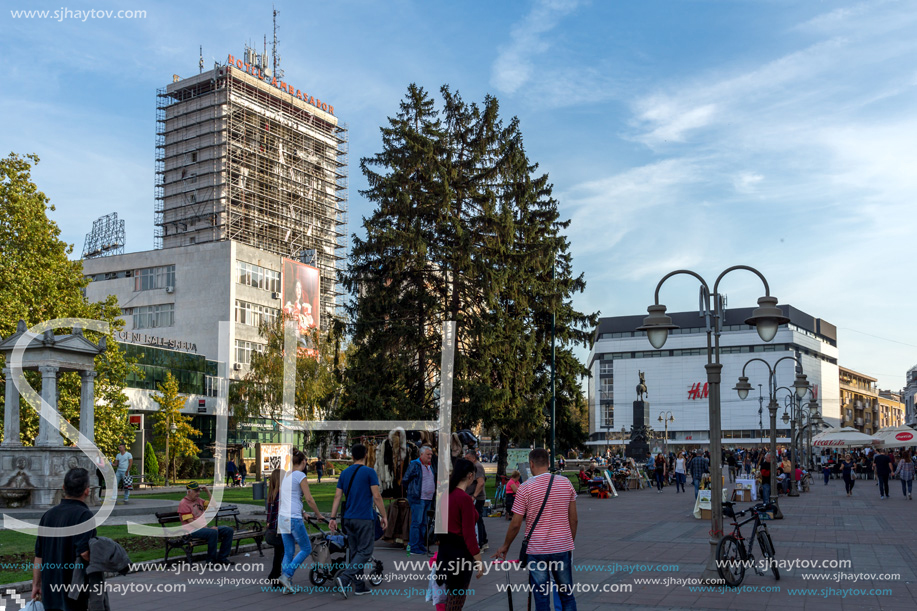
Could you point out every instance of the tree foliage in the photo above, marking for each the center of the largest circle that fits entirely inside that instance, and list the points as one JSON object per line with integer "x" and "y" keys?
{"x": 464, "y": 229}
{"x": 38, "y": 282}
{"x": 169, "y": 417}
{"x": 318, "y": 384}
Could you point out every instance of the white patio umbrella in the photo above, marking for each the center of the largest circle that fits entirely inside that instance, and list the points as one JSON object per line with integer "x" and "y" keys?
{"x": 845, "y": 437}
{"x": 896, "y": 436}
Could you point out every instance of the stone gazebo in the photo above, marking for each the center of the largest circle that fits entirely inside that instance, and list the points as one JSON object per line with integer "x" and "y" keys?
{"x": 33, "y": 476}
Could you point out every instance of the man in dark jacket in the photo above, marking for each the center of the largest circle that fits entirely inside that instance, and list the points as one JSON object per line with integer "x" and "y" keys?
{"x": 56, "y": 555}
{"x": 883, "y": 466}
{"x": 420, "y": 484}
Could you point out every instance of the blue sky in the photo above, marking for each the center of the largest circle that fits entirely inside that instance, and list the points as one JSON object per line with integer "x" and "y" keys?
{"x": 679, "y": 133}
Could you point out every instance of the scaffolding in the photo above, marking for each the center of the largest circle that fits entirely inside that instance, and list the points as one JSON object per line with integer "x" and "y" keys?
{"x": 237, "y": 159}
{"x": 106, "y": 238}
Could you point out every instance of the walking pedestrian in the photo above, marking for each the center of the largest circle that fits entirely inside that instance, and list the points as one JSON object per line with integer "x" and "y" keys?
{"x": 847, "y": 468}
{"x": 319, "y": 469}
{"x": 659, "y": 472}
{"x": 698, "y": 466}
{"x": 731, "y": 462}
{"x": 359, "y": 487}
{"x": 56, "y": 556}
{"x": 272, "y": 506}
{"x": 826, "y": 471}
{"x": 905, "y": 472}
{"x": 293, "y": 490}
{"x": 883, "y": 467}
{"x": 231, "y": 471}
{"x": 477, "y": 492}
{"x": 512, "y": 487}
{"x": 420, "y": 483}
{"x": 243, "y": 471}
{"x": 459, "y": 553}
{"x": 766, "y": 479}
{"x": 123, "y": 463}
{"x": 547, "y": 503}
{"x": 680, "y": 473}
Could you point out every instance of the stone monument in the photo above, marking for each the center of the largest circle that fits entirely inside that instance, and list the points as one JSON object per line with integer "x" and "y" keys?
{"x": 638, "y": 447}
{"x": 33, "y": 476}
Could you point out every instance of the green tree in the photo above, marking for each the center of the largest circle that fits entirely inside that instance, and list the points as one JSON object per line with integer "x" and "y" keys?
{"x": 151, "y": 464}
{"x": 464, "y": 229}
{"x": 170, "y": 424}
{"x": 37, "y": 283}
{"x": 318, "y": 385}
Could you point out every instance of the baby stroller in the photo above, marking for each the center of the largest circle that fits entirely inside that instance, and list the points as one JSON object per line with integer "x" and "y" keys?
{"x": 236, "y": 480}
{"x": 330, "y": 551}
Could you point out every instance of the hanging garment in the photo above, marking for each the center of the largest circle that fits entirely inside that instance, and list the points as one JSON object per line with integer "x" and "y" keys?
{"x": 398, "y": 529}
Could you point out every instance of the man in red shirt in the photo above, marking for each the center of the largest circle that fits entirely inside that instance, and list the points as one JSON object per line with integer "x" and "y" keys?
{"x": 191, "y": 508}
{"x": 550, "y": 542}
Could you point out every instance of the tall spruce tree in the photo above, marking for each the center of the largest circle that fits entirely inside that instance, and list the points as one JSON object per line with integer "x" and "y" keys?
{"x": 463, "y": 230}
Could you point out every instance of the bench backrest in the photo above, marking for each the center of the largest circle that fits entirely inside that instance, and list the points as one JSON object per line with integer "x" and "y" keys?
{"x": 225, "y": 512}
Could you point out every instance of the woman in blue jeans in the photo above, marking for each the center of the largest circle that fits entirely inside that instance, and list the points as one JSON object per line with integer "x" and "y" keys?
{"x": 293, "y": 490}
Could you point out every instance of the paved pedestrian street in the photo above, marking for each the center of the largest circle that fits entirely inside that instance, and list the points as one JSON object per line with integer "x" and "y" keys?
{"x": 640, "y": 550}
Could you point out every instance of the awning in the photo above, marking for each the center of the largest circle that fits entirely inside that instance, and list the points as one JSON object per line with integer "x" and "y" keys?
{"x": 845, "y": 437}
{"x": 896, "y": 436}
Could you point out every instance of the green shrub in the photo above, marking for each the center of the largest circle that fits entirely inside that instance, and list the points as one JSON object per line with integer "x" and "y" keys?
{"x": 151, "y": 463}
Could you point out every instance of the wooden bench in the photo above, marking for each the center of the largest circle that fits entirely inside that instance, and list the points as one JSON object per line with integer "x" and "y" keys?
{"x": 143, "y": 482}
{"x": 251, "y": 529}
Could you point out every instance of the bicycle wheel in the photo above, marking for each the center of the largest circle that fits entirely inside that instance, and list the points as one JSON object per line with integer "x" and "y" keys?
{"x": 730, "y": 561}
{"x": 767, "y": 550}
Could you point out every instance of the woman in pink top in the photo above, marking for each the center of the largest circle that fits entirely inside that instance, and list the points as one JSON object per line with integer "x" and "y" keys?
{"x": 511, "y": 487}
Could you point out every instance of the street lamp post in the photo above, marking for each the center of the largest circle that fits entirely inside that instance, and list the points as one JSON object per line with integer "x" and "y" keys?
{"x": 666, "y": 417}
{"x": 766, "y": 318}
{"x": 800, "y": 384}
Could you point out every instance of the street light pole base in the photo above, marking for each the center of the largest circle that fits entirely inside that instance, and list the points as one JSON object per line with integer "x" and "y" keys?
{"x": 711, "y": 576}
{"x": 778, "y": 515}
{"x": 794, "y": 491}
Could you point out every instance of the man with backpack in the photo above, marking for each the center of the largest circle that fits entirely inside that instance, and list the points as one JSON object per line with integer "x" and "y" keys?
{"x": 359, "y": 485}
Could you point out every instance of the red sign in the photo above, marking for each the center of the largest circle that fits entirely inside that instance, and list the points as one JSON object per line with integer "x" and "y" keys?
{"x": 698, "y": 392}
{"x": 283, "y": 86}
{"x": 134, "y": 420}
{"x": 904, "y": 436}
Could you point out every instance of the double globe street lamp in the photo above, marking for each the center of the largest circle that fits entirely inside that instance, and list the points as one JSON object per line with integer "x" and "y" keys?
{"x": 801, "y": 386}
{"x": 666, "y": 417}
{"x": 766, "y": 319}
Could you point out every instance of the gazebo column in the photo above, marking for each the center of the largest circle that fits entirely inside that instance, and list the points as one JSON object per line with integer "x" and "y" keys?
{"x": 87, "y": 406}
{"x": 11, "y": 412}
{"x": 49, "y": 425}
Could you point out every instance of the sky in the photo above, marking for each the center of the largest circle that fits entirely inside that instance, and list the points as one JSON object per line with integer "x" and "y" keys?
{"x": 694, "y": 134}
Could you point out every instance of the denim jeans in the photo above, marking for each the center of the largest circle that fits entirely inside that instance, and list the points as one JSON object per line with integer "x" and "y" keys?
{"x": 544, "y": 568}
{"x": 766, "y": 492}
{"x": 119, "y": 478}
{"x": 360, "y": 543}
{"x": 907, "y": 486}
{"x": 680, "y": 481}
{"x": 296, "y": 534}
{"x": 883, "y": 484}
{"x": 212, "y": 535}
{"x": 696, "y": 482}
{"x": 419, "y": 526}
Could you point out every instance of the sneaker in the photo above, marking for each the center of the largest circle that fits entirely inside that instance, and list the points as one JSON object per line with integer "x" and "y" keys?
{"x": 360, "y": 592}
{"x": 286, "y": 583}
{"x": 909, "y": 497}
{"x": 485, "y": 547}
{"x": 343, "y": 589}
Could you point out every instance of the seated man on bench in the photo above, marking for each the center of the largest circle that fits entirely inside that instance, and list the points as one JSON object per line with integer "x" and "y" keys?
{"x": 191, "y": 508}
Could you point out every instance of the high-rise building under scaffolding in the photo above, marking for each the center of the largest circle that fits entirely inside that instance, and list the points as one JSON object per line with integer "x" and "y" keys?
{"x": 247, "y": 157}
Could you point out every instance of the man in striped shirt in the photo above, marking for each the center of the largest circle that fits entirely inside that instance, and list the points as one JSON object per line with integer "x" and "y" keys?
{"x": 550, "y": 547}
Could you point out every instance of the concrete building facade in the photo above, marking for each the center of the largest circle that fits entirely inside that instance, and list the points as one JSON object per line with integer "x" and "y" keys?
{"x": 859, "y": 400}
{"x": 909, "y": 396}
{"x": 676, "y": 378}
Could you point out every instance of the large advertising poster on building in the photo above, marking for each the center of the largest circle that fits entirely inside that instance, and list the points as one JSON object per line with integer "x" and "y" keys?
{"x": 300, "y": 300}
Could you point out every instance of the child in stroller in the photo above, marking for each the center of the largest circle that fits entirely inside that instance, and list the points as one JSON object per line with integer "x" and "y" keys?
{"x": 330, "y": 551}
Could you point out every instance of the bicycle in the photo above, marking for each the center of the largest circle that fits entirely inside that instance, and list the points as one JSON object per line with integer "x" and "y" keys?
{"x": 734, "y": 552}
{"x": 500, "y": 494}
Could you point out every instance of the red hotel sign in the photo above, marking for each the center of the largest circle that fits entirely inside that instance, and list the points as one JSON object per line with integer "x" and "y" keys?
{"x": 281, "y": 85}
{"x": 698, "y": 392}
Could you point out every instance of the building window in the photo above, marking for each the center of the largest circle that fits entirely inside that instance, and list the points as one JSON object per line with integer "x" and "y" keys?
{"x": 254, "y": 314}
{"x": 154, "y": 278}
{"x": 257, "y": 276}
{"x": 152, "y": 317}
{"x": 212, "y": 386}
{"x": 608, "y": 415}
{"x": 606, "y": 368}
{"x": 606, "y": 389}
{"x": 193, "y": 156}
{"x": 245, "y": 349}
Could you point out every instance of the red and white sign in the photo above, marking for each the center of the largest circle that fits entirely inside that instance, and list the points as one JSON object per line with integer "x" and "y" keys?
{"x": 904, "y": 436}
{"x": 698, "y": 392}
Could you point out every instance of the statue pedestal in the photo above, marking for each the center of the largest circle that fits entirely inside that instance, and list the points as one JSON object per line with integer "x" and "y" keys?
{"x": 41, "y": 472}
{"x": 638, "y": 447}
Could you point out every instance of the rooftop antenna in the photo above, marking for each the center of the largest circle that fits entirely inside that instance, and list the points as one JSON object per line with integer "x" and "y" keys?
{"x": 278, "y": 73}
{"x": 200, "y": 62}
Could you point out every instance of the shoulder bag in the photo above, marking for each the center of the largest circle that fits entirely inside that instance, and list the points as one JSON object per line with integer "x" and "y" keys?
{"x": 523, "y": 551}
{"x": 377, "y": 523}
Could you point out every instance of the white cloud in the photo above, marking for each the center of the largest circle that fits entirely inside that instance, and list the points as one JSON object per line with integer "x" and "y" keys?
{"x": 514, "y": 65}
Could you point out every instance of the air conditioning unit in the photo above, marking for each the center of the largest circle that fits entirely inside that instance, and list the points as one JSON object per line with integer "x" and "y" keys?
{"x": 170, "y": 289}
{"x": 275, "y": 295}
{"x": 237, "y": 366}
